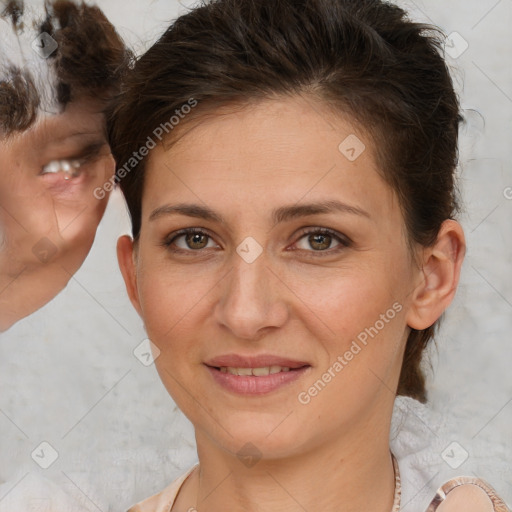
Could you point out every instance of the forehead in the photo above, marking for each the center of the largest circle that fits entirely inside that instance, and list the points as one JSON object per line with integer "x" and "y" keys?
{"x": 291, "y": 149}
{"x": 28, "y": 78}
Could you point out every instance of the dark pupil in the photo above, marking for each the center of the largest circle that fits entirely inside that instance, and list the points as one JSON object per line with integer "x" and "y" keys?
{"x": 194, "y": 238}
{"x": 320, "y": 239}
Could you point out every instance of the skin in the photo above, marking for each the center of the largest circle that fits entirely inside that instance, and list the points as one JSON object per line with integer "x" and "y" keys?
{"x": 292, "y": 303}
{"x": 49, "y": 222}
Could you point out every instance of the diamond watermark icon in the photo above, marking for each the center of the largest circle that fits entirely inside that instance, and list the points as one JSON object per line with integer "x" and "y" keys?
{"x": 44, "y": 250}
{"x": 455, "y": 455}
{"x": 44, "y": 45}
{"x": 249, "y": 455}
{"x": 45, "y": 455}
{"x": 455, "y": 45}
{"x": 249, "y": 250}
{"x": 146, "y": 352}
{"x": 352, "y": 148}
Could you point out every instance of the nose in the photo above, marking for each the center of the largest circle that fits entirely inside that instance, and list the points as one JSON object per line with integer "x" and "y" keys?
{"x": 252, "y": 299}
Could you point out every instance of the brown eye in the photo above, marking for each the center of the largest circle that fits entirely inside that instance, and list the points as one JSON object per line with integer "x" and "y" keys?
{"x": 187, "y": 240}
{"x": 196, "y": 240}
{"x": 320, "y": 241}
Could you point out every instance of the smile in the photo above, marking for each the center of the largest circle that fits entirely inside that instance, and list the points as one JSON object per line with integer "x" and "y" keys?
{"x": 257, "y": 372}
{"x": 255, "y": 381}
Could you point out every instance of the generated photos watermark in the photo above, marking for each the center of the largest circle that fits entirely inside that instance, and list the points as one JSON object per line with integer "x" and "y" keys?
{"x": 342, "y": 361}
{"x": 158, "y": 133}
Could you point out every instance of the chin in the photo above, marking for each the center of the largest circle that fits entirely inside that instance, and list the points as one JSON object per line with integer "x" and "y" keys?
{"x": 267, "y": 435}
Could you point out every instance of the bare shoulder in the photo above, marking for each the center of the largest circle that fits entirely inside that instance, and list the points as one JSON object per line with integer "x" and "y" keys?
{"x": 468, "y": 494}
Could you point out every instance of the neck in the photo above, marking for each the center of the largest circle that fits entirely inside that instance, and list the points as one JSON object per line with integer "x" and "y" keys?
{"x": 343, "y": 474}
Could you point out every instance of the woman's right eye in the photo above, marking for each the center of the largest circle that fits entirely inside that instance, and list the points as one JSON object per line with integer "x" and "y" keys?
{"x": 193, "y": 240}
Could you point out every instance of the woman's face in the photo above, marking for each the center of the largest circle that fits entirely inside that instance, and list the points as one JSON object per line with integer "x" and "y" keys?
{"x": 265, "y": 287}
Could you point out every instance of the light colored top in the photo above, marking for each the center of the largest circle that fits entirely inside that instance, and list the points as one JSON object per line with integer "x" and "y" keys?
{"x": 163, "y": 501}
{"x": 422, "y": 441}
{"x": 461, "y": 493}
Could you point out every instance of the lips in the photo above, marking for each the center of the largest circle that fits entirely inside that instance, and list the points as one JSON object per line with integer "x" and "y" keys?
{"x": 255, "y": 375}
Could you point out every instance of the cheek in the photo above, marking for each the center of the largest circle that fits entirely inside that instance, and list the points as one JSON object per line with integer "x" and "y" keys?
{"x": 171, "y": 310}
{"x": 360, "y": 362}
{"x": 357, "y": 319}
{"x": 169, "y": 302}
{"x": 342, "y": 302}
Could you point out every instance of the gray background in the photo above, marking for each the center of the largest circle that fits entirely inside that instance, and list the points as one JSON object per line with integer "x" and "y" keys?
{"x": 69, "y": 376}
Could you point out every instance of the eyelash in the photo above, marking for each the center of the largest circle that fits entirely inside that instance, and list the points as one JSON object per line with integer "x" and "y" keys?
{"x": 344, "y": 241}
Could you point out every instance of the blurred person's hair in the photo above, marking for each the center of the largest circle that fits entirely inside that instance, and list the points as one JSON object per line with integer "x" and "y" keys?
{"x": 87, "y": 60}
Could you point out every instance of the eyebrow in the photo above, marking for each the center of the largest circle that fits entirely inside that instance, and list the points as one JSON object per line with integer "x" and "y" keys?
{"x": 279, "y": 215}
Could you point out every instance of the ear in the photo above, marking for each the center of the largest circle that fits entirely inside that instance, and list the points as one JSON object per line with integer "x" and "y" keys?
{"x": 439, "y": 277}
{"x": 126, "y": 255}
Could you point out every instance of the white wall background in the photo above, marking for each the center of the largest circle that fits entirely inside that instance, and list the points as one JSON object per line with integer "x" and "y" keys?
{"x": 69, "y": 377}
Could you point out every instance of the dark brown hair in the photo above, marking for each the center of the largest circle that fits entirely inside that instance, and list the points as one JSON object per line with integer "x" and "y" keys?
{"x": 361, "y": 57}
{"x": 88, "y": 62}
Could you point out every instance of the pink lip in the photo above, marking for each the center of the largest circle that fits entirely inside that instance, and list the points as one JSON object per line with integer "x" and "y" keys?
{"x": 250, "y": 384}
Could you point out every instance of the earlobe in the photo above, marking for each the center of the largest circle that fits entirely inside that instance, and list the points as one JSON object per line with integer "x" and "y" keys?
{"x": 439, "y": 277}
{"x": 126, "y": 260}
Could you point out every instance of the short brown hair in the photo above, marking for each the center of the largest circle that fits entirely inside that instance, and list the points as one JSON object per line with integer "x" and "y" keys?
{"x": 364, "y": 57}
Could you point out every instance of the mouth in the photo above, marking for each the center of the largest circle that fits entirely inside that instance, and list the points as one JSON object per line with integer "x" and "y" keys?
{"x": 255, "y": 375}
{"x": 256, "y": 372}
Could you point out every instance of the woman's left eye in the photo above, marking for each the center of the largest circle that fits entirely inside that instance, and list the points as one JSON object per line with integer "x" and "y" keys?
{"x": 321, "y": 239}
{"x": 195, "y": 239}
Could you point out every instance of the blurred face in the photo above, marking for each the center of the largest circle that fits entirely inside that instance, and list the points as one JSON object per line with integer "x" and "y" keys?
{"x": 63, "y": 158}
{"x": 55, "y": 163}
{"x": 272, "y": 273}
{"x": 48, "y": 210}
